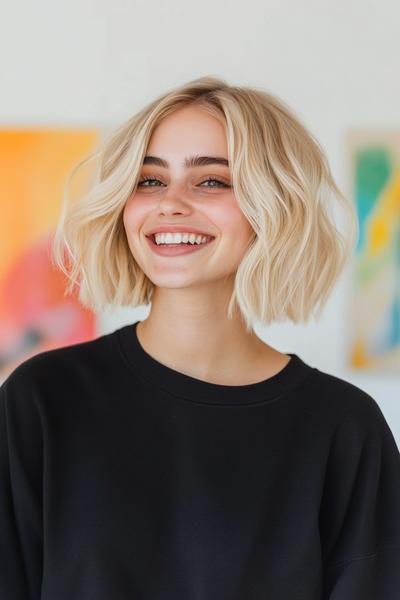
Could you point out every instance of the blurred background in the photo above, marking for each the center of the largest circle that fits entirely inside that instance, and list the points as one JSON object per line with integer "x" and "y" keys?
{"x": 72, "y": 72}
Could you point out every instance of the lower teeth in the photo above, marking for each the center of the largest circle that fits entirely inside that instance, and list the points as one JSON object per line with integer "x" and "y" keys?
{"x": 181, "y": 244}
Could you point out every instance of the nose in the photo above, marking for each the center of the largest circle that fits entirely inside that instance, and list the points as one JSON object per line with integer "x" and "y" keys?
{"x": 174, "y": 199}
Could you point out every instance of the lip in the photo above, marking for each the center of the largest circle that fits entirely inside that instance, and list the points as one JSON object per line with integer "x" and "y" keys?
{"x": 176, "y": 250}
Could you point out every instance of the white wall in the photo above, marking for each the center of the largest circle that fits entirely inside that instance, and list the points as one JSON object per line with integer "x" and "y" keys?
{"x": 336, "y": 63}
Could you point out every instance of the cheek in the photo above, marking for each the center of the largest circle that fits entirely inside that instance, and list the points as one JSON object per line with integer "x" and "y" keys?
{"x": 230, "y": 220}
{"x": 241, "y": 224}
{"x": 133, "y": 214}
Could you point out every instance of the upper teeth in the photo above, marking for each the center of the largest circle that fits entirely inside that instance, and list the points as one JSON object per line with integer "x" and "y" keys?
{"x": 178, "y": 238}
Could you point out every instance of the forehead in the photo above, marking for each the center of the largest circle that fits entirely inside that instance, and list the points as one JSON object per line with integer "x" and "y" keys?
{"x": 189, "y": 130}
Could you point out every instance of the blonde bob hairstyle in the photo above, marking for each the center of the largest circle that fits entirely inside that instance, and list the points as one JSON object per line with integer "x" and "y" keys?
{"x": 282, "y": 184}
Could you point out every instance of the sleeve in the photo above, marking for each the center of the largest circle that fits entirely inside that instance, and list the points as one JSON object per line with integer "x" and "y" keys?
{"x": 360, "y": 508}
{"x": 21, "y": 538}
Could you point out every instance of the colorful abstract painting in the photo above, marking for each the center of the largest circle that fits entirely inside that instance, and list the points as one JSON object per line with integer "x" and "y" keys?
{"x": 375, "y": 310}
{"x": 34, "y": 314}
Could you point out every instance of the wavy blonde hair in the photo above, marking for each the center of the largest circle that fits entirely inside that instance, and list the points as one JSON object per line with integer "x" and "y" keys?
{"x": 282, "y": 184}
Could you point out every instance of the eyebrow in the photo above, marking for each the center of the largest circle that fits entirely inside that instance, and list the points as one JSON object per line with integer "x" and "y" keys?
{"x": 190, "y": 161}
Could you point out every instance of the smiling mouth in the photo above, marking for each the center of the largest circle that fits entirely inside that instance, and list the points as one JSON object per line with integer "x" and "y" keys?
{"x": 181, "y": 249}
{"x": 152, "y": 237}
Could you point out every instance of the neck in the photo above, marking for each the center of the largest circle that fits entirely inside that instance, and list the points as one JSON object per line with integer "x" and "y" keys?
{"x": 202, "y": 342}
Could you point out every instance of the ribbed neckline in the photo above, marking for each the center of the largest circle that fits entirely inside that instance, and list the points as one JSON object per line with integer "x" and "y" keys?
{"x": 187, "y": 387}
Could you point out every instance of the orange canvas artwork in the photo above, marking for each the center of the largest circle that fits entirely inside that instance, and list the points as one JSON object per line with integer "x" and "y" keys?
{"x": 34, "y": 313}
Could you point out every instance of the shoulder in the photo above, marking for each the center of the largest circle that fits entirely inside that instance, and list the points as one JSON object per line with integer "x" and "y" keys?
{"x": 337, "y": 399}
{"x": 353, "y": 425}
{"x": 50, "y": 368}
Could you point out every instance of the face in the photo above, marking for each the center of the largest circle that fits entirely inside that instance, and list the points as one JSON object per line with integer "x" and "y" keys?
{"x": 191, "y": 197}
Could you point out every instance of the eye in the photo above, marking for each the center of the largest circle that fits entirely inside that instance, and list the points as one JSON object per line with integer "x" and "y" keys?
{"x": 148, "y": 181}
{"x": 212, "y": 179}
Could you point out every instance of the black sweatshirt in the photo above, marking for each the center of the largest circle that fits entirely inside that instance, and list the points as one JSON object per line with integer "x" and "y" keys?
{"x": 123, "y": 479}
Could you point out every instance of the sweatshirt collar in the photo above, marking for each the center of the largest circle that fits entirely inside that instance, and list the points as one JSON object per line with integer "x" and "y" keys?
{"x": 192, "y": 389}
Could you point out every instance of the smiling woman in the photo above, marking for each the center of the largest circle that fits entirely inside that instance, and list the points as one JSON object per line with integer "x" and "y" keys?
{"x": 182, "y": 457}
{"x": 265, "y": 164}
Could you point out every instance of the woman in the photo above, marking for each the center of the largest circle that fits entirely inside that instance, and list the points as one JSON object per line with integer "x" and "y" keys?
{"x": 181, "y": 457}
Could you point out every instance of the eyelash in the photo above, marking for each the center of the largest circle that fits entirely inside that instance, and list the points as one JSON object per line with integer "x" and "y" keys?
{"x": 207, "y": 179}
